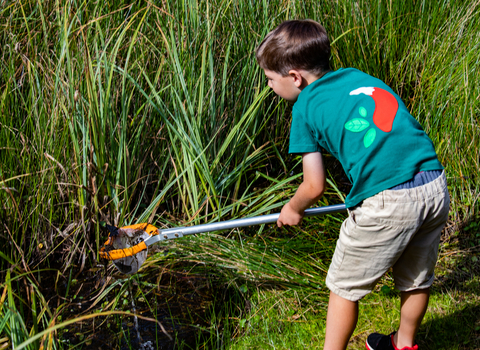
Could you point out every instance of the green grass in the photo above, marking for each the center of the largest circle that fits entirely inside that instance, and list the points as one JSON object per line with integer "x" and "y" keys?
{"x": 133, "y": 112}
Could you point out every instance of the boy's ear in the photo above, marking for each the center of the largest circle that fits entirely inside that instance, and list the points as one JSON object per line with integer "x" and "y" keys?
{"x": 298, "y": 79}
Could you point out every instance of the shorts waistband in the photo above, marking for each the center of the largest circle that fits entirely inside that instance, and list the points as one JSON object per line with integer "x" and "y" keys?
{"x": 420, "y": 179}
{"x": 433, "y": 189}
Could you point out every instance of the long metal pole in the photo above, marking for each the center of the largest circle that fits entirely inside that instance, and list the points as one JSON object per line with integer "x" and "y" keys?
{"x": 178, "y": 232}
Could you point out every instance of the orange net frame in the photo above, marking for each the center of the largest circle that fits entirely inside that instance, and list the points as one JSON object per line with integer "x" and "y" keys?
{"x": 108, "y": 251}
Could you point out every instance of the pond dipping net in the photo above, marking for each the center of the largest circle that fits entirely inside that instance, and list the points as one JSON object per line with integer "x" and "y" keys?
{"x": 126, "y": 246}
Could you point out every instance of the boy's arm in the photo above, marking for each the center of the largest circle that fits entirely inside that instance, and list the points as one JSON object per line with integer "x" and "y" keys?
{"x": 309, "y": 191}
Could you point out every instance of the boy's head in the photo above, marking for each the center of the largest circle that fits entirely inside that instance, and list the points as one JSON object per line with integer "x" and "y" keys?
{"x": 296, "y": 44}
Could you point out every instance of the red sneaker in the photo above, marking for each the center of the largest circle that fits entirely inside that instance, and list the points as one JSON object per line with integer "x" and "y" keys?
{"x": 376, "y": 341}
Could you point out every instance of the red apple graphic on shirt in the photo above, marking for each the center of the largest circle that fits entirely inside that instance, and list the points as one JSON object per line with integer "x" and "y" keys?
{"x": 386, "y": 106}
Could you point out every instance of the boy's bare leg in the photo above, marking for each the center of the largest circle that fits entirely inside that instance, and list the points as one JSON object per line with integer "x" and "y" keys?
{"x": 413, "y": 307}
{"x": 342, "y": 318}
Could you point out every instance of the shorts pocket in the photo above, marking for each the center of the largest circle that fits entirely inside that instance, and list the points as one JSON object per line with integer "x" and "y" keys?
{"x": 357, "y": 215}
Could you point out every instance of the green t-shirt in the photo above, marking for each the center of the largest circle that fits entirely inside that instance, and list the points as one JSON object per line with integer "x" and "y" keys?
{"x": 359, "y": 120}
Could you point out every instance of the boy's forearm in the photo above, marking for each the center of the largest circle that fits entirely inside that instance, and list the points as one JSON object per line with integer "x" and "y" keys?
{"x": 305, "y": 197}
{"x": 292, "y": 212}
{"x": 309, "y": 191}
{"x": 313, "y": 185}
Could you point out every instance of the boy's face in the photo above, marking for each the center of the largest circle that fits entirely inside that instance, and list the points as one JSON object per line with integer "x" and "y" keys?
{"x": 286, "y": 87}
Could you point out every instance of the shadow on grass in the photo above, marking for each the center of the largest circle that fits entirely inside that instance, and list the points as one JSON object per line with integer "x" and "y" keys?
{"x": 457, "y": 330}
{"x": 458, "y": 278}
{"x": 459, "y": 256}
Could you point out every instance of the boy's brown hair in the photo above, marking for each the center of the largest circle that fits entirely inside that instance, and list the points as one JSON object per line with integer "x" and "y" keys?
{"x": 295, "y": 44}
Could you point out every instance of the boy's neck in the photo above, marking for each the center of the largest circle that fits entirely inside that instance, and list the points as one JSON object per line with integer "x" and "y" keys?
{"x": 308, "y": 77}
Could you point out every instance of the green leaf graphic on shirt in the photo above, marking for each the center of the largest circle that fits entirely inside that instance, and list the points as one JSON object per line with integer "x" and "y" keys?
{"x": 356, "y": 125}
{"x": 362, "y": 111}
{"x": 369, "y": 138}
{"x": 360, "y": 124}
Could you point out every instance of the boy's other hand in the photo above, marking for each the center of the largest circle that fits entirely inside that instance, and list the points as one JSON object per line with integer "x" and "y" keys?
{"x": 289, "y": 216}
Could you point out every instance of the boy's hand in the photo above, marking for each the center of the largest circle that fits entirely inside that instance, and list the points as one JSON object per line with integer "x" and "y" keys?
{"x": 288, "y": 216}
{"x": 309, "y": 191}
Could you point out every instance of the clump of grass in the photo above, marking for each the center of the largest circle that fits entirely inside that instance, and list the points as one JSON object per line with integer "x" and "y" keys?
{"x": 24, "y": 311}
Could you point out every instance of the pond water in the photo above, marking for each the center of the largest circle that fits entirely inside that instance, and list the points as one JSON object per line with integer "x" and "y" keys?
{"x": 187, "y": 304}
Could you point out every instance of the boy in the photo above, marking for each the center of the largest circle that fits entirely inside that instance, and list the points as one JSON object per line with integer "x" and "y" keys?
{"x": 398, "y": 204}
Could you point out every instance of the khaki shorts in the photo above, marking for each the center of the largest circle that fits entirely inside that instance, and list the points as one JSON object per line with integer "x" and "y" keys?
{"x": 399, "y": 229}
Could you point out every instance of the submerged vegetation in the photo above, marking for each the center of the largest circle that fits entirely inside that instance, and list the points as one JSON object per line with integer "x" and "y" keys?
{"x": 118, "y": 113}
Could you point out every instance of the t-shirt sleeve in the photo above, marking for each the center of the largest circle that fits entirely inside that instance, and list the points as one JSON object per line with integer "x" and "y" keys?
{"x": 301, "y": 138}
